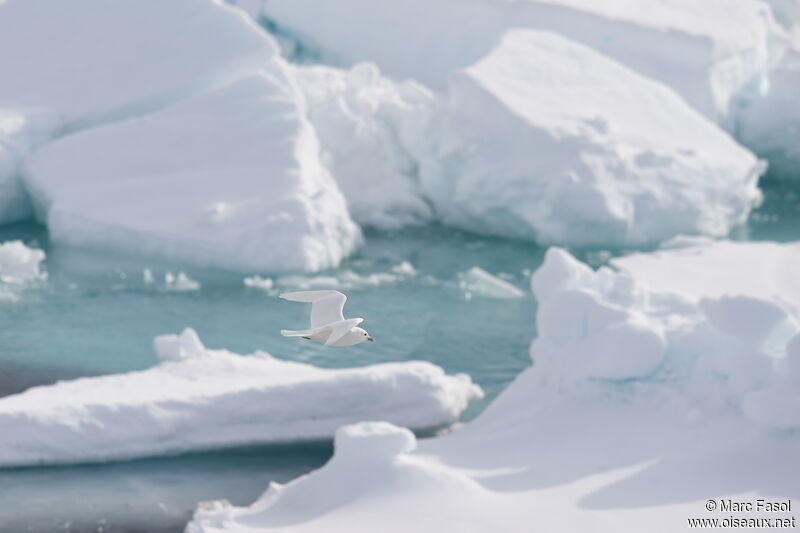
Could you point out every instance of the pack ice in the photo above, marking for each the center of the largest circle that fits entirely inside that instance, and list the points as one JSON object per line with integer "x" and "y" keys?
{"x": 709, "y": 52}
{"x": 546, "y": 139}
{"x": 151, "y": 103}
{"x": 685, "y": 395}
{"x": 197, "y": 398}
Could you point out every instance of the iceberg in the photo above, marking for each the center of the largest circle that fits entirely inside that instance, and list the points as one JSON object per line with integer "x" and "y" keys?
{"x": 637, "y": 405}
{"x": 208, "y": 158}
{"x": 367, "y": 127}
{"x": 91, "y": 62}
{"x": 710, "y": 52}
{"x": 545, "y": 139}
{"x": 230, "y": 178}
{"x": 197, "y": 398}
{"x": 87, "y": 64}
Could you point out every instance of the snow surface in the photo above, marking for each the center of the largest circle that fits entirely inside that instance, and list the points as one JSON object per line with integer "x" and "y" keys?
{"x": 710, "y": 52}
{"x": 198, "y": 398}
{"x": 89, "y": 61}
{"x": 367, "y": 125}
{"x": 230, "y": 178}
{"x": 66, "y": 67}
{"x": 207, "y": 157}
{"x": 545, "y": 139}
{"x": 639, "y": 408}
{"x": 713, "y": 269}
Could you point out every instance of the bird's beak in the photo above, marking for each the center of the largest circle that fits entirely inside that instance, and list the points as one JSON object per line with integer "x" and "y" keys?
{"x": 370, "y": 339}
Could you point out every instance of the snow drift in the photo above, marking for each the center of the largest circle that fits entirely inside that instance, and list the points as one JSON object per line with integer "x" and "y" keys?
{"x": 641, "y": 406}
{"x": 545, "y": 139}
{"x": 198, "y": 398}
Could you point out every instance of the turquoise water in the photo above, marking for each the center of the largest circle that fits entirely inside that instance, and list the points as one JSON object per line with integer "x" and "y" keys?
{"x": 96, "y": 315}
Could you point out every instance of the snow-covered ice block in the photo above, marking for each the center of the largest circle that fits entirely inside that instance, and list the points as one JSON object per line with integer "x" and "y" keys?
{"x": 367, "y": 125}
{"x": 714, "y": 269}
{"x": 89, "y": 61}
{"x": 69, "y": 67}
{"x": 644, "y": 449}
{"x": 476, "y": 280}
{"x": 230, "y": 178}
{"x": 665, "y": 317}
{"x": 546, "y": 139}
{"x": 710, "y": 52}
{"x": 198, "y": 398}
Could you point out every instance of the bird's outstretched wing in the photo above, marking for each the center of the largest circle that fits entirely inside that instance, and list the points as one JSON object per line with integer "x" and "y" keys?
{"x": 326, "y": 306}
{"x": 340, "y": 329}
{"x": 302, "y": 332}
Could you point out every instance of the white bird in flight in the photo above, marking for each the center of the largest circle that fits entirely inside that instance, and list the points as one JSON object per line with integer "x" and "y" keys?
{"x": 328, "y": 324}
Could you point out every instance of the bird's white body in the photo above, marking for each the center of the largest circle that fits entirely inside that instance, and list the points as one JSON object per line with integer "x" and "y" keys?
{"x": 328, "y": 325}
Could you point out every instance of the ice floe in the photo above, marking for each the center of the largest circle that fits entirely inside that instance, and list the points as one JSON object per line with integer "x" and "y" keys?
{"x": 180, "y": 282}
{"x": 710, "y": 52}
{"x": 69, "y": 67}
{"x": 230, "y": 178}
{"x": 477, "y": 281}
{"x": 641, "y": 406}
{"x": 198, "y": 398}
{"x": 208, "y": 158}
{"x": 367, "y": 126}
{"x": 87, "y": 63}
{"x": 546, "y": 139}
{"x": 344, "y": 278}
{"x": 20, "y": 266}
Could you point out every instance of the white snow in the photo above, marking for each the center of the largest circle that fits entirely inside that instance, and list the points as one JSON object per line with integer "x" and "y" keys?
{"x": 477, "y": 281}
{"x": 207, "y": 157}
{"x": 548, "y": 140}
{"x": 710, "y": 52}
{"x": 67, "y": 67}
{"x": 229, "y": 178}
{"x": 89, "y": 61}
{"x": 198, "y": 398}
{"x": 641, "y": 406}
{"x": 366, "y": 125}
{"x": 763, "y": 270}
